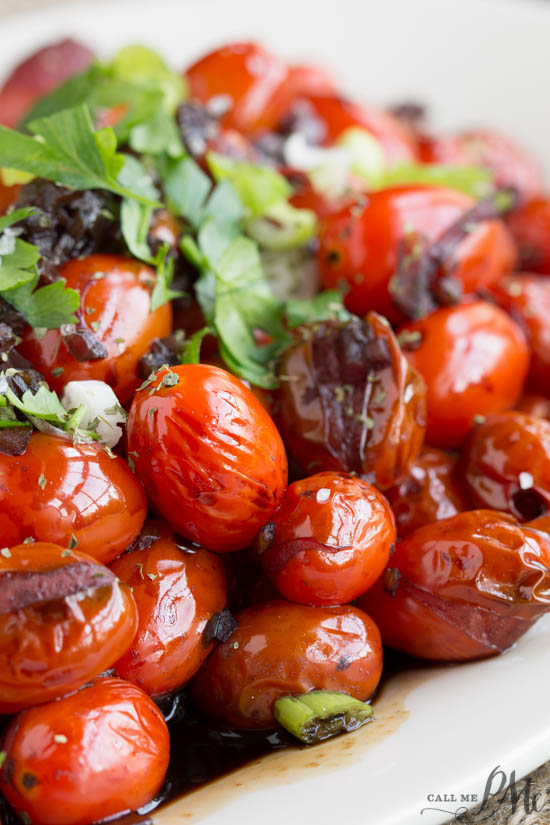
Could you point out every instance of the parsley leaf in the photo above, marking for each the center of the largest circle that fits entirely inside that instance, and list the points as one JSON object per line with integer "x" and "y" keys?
{"x": 15, "y": 217}
{"x": 192, "y": 348}
{"x": 165, "y": 273}
{"x": 323, "y": 307}
{"x": 258, "y": 187}
{"x": 49, "y": 306}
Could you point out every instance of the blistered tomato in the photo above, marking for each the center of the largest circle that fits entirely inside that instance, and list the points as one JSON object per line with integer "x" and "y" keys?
{"x": 64, "y": 618}
{"x": 474, "y": 360}
{"x": 178, "y": 591}
{"x": 115, "y": 326}
{"x": 329, "y": 540}
{"x": 281, "y": 648}
{"x": 96, "y": 753}
{"x": 208, "y": 454}
{"x": 72, "y": 494}
{"x": 530, "y": 226}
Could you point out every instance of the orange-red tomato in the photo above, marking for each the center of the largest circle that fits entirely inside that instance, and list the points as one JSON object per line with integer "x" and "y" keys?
{"x": 537, "y": 405}
{"x": 8, "y": 195}
{"x": 329, "y": 540}
{"x": 362, "y": 245}
{"x": 280, "y": 649}
{"x": 71, "y": 494}
{"x": 64, "y": 618}
{"x": 505, "y": 464}
{"x": 462, "y": 588}
{"x": 177, "y": 592}
{"x": 430, "y": 492}
{"x": 96, "y": 753}
{"x": 209, "y": 455}
{"x": 474, "y": 360}
{"x": 115, "y": 308}
{"x": 530, "y": 226}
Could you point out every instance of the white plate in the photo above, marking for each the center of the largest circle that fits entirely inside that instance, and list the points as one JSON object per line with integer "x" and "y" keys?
{"x": 476, "y": 62}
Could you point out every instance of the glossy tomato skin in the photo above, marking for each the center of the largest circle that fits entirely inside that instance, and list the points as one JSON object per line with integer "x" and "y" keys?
{"x": 361, "y": 246}
{"x": 8, "y": 195}
{"x": 537, "y": 405}
{"x": 430, "y": 492}
{"x": 463, "y": 588}
{"x": 530, "y": 226}
{"x": 281, "y": 648}
{"x": 65, "y": 493}
{"x": 209, "y": 455}
{"x": 116, "y": 309}
{"x": 349, "y": 402}
{"x": 329, "y": 540}
{"x": 98, "y": 752}
{"x": 177, "y": 592}
{"x": 65, "y": 619}
{"x": 474, "y": 360}
{"x": 505, "y": 465}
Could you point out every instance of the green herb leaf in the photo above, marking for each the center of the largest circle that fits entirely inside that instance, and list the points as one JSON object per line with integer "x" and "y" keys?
{"x": 192, "y": 348}
{"x": 186, "y": 187}
{"x": 15, "y": 217}
{"x": 135, "y": 221}
{"x": 156, "y": 135}
{"x": 49, "y": 307}
{"x": 258, "y": 187}
{"x": 323, "y": 307}
{"x": 43, "y": 404}
{"x": 282, "y": 226}
{"x": 472, "y": 180}
{"x": 165, "y": 273}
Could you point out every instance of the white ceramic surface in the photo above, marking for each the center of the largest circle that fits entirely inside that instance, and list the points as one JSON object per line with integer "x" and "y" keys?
{"x": 475, "y": 62}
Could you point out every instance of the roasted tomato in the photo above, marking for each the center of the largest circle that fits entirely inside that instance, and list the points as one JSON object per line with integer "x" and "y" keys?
{"x": 39, "y": 74}
{"x": 8, "y": 195}
{"x": 377, "y": 250}
{"x": 180, "y": 594}
{"x": 280, "y": 649}
{"x": 349, "y": 402}
{"x": 530, "y": 226}
{"x": 209, "y": 455}
{"x": 115, "y": 326}
{"x": 537, "y": 405}
{"x": 64, "y": 618}
{"x": 96, "y": 753}
{"x": 430, "y": 492}
{"x": 527, "y": 298}
{"x": 462, "y": 588}
{"x": 72, "y": 494}
{"x": 505, "y": 465}
{"x": 329, "y": 540}
{"x": 474, "y": 360}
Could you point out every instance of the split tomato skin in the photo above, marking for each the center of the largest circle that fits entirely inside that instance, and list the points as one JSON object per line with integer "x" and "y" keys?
{"x": 115, "y": 308}
{"x": 505, "y": 465}
{"x": 70, "y": 494}
{"x": 463, "y": 588}
{"x": 530, "y": 227}
{"x": 329, "y": 540}
{"x": 177, "y": 592}
{"x": 65, "y": 618}
{"x": 96, "y": 753}
{"x": 474, "y": 360}
{"x": 211, "y": 459}
{"x": 281, "y": 648}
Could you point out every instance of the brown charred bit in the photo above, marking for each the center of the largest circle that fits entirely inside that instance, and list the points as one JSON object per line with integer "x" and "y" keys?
{"x": 10, "y": 358}
{"x": 11, "y": 317}
{"x": 198, "y": 126}
{"x": 29, "y": 780}
{"x": 303, "y": 119}
{"x": 391, "y": 580}
{"x": 14, "y": 440}
{"x": 20, "y": 589}
{"x": 148, "y": 536}
{"x": 162, "y": 351}
{"x": 410, "y": 113}
{"x": 276, "y": 557}
{"x": 82, "y": 344}
{"x": 23, "y": 380}
{"x": 265, "y": 537}
{"x": 343, "y": 663}
{"x": 219, "y": 627}
{"x": 424, "y": 278}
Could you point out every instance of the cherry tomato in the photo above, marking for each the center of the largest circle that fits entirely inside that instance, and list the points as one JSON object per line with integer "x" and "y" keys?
{"x": 329, "y": 540}
{"x": 96, "y": 753}
{"x": 177, "y": 592}
{"x": 505, "y": 465}
{"x": 430, "y": 492}
{"x": 362, "y": 246}
{"x": 71, "y": 494}
{"x": 530, "y": 226}
{"x": 8, "y": 195}
{"x": 280, "y": 649}
{"x": 349, "y": 402}
{"x": 474, "y": 360}
{"x": 463, "y": 588}
{"x": 115, "y": 309}
{"x": 64, "y": 618}
{"x": 209, "y": 455}
{"x": 536, "y": 405}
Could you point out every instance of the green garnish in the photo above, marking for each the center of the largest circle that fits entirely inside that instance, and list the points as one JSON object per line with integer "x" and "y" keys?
{"x": 320, "y": 714}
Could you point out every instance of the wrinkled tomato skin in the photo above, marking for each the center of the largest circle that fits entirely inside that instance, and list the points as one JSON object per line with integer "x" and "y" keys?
{"x": 329, "y": 540}
{"x": 530, "y": 227}
{"x": 463, "y": 588}
{"x": 116, "y": 309}
{"x": 505, "y": 465}
{"x": 360, "y": 247}
{"x": 63, "y": 492}
{"x": 537, "y": 405}
{"x": 176, "y": 593}
{"x": 474, "y": 360}
{"x": 75, "y": 624}
{"x": 208, "y": 454}
{"x": 430, "y": 492}
{"x": 8, "y": 195}
{"x": 94, "y": 754}
{"x": 280, "y": 649}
